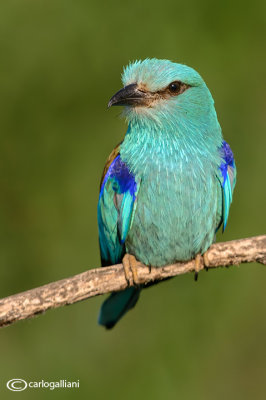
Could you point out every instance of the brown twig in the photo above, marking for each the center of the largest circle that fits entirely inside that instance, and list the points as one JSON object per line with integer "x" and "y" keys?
{"x": 104, "y": 280}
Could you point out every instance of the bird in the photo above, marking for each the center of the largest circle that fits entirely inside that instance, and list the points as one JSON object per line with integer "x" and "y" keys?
{"x": 167, "y": 187}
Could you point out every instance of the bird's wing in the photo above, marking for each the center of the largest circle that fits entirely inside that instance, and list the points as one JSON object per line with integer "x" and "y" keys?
{"x": 116, "y": 206}
{"x": 227, "y": 179}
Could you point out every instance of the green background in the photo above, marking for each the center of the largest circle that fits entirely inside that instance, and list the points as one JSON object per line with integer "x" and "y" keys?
{"x": 60, "y": 62}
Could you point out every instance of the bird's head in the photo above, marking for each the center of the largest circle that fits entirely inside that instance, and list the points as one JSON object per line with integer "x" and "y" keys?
{"x": 163, "y": 92}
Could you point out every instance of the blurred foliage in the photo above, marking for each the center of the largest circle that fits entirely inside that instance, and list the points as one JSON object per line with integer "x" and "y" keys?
{"x": 60, "y": 63}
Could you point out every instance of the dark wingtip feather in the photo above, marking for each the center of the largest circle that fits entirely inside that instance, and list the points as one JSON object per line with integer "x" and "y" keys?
{"x": 116, "y": 305}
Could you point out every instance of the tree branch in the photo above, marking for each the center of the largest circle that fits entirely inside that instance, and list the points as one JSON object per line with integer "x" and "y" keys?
{"x": 104, "y": 280}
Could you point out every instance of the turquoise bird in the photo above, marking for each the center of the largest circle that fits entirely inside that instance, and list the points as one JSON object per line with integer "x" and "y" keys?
{"x": 167, "y": 187}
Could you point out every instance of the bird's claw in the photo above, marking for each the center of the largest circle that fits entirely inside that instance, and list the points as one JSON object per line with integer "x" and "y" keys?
{"x": 201, "y": 262}
{"x": 198, "y": 266}
{"x": 130, "y": 265}
{"x": 206, "y": 260}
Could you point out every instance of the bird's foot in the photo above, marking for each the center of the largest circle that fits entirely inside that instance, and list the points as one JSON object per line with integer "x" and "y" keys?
{"x": 201, "y": 262}
{"x": 130, "y": 265}
{"x": 198, "y": 266}
{"x": 206, "y": 260}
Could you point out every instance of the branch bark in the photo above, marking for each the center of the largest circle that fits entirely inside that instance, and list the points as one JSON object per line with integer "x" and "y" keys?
{"x": 99, "y": 281}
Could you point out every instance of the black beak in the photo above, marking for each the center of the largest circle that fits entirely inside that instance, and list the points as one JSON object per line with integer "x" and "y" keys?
{"x": 129, "y": 95}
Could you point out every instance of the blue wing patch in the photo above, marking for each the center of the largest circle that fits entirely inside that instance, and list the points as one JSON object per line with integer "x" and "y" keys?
{"x": 227, "y": 179}
{"x": 116, "y": 206}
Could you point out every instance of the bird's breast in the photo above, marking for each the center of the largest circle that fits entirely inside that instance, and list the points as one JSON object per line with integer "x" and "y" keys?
{"x": 176, "y": 211}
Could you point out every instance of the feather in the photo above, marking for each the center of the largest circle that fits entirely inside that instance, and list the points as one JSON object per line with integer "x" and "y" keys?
{"x": 227, "y": 179}
{"x": 115, "y": 208}
{"x": 117, "y": 201}
{"x": 116, "y": 305}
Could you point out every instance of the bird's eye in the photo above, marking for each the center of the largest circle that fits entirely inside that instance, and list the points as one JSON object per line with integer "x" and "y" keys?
{"x": 174, "y": 87}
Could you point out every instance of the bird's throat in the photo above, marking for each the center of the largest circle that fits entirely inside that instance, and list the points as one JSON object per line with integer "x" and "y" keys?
{"x": 146, "y": 147}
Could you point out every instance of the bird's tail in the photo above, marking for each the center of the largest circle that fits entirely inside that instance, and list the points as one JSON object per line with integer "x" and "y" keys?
{"x": 116, "y": 305}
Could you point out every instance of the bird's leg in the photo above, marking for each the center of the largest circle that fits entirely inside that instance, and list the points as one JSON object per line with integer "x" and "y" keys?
{"x": 198, "y": 266}
{"x": 130, "y": 265}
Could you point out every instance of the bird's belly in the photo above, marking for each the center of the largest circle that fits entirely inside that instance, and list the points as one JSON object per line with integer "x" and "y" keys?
{"x": 175, "y": 218}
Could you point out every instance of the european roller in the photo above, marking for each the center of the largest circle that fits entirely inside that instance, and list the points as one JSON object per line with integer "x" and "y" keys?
{"x": 167, "y": 187}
